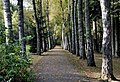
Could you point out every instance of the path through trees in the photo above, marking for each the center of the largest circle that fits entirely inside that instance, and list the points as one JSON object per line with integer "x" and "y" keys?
{"x": 55, "y": 67}
{"x": 83, "y": 27}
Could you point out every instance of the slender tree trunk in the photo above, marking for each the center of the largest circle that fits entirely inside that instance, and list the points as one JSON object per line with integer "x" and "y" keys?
{"x": 8, "y": 21}
{"x": 90, "y": 53}
{"x": 66, "y": 42}
{"x": 40, "y": 11}
{"x": 40, "y": 19}
{"x": 76, "y": 29}
{"x": 44, "y": 42}
{"x": 112, "y": 31}
{"x": 118, "y": 29}
{"x": 37, "y": 29}
{"x": 112, "y": 35}
{"x": 47, "y": 46}
{"x": 81, "y": 31}
{"x": 45, "y": 30}
{"x": 101, "y": 36}
{"x": 73, "y": 29}
{"x": 52, "y": 41}
{"x": 95, "y": 36}
{"x": 116, "y": 37}
{"x": 63, "y": 26}
{"x": 69, "y": 35}
{"x": 21, "y": 27}
{"x": 107, "y": 67}
{"x": 48, "y": 27}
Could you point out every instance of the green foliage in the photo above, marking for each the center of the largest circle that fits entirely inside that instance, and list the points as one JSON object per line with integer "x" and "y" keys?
{"x": 95, "y": 9}
{"x": 1, "y": 10}
{"x": 2, "y": 33}
{"x": 14, "y": 68}
{"x": 115, "y": 7}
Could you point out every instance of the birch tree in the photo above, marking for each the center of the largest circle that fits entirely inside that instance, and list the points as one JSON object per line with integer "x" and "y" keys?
{"x": 8, "y": 20}
{"x": 48, "y": 26}
{"x": 21, "y": 27}
{"x": 63, "y": 26}
{"x": 107, "y": 67}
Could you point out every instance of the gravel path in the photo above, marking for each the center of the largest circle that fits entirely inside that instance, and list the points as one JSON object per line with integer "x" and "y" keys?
{"x": 54, "y": 67}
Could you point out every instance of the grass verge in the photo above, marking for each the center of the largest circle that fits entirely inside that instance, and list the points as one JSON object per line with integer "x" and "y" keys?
{"x": 92, "y": 72}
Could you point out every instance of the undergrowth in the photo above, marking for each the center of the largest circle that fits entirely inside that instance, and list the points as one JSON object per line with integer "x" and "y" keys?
{"x": 13, "y": 67}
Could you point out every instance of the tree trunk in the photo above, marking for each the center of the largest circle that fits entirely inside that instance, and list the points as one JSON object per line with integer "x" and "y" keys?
{"x": 21, "y": 27}
{"x": 63, "y": 26}
{"x": 8, "y": 21}
{"x": 66, "y": 42}
{"x": 48, "y": 28}
{"x": 75, "y": 26}
{"x": 112, "y": 35}
{"x": 90, "y": 53}
{"x": 116, "y": 37}
{"x": 81, "y": 31}
{"x": 44, "y": 42}
{"x": 40, "y": 19}
{"x": 69, "y": 35}
{"x": 73, "y": 29}
{"x": 40, "y": 10}
{"x": 46, "y": 36}
{"x": 100, "y": 37}
{"x": 37, "y": 29}
{"x": 95, "y": 36}
{"x": 107, "y": 67}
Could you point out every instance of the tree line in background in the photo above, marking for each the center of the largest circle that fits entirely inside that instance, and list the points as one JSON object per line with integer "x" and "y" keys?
{"x": 78, "y": 25}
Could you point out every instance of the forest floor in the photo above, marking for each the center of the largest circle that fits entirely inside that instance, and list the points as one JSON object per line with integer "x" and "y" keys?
{"x": 58, "y": 65}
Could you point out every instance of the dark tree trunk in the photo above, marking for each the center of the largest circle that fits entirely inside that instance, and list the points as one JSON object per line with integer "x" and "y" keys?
{"x": 107, "y": 67}
{"x": 100, "y": 37}
{"x": 21, "y": 27}
{"x": 90, "y": 53}
{"x": 81, "y": 31}
{"x": 40, "y": 19}
{"x": 8, "y": 21}
{"x": 73, "y": 28}
{"x": 47, "y": 43}
{"x": 76, "y": 28}
{"x": 37, "y": 29}
{"x": 118, "y": 35}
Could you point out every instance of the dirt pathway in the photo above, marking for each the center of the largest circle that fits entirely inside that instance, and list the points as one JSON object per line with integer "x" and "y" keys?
{"x": 54, "y": 67}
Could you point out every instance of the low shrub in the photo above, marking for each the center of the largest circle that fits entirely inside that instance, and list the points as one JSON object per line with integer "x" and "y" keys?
{"x": 13, "y": 67}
